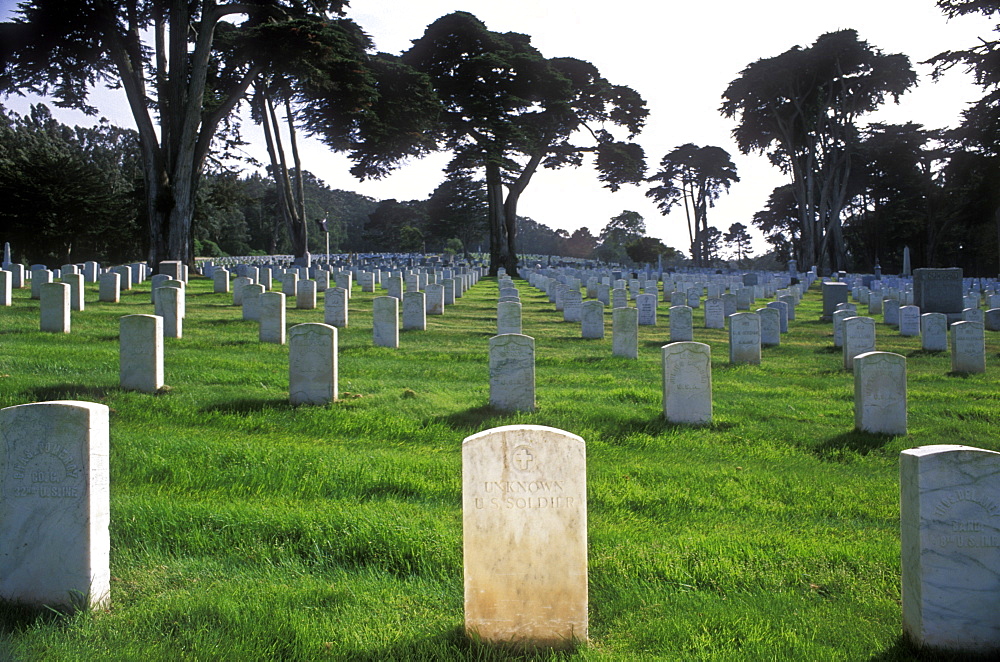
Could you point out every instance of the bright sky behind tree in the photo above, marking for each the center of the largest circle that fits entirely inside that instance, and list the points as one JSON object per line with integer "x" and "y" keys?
{"x": 679, "y": 56}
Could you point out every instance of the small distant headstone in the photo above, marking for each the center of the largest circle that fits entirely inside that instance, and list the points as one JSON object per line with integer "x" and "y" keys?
{"x": 728, "y": 305}
{"x": 272, "y": 318}
{"x": 625, "y": 333}
{"x": 744, "y": 338}
{"x": 508, "y": 317}
{"x": 312, "y": 364}
{"x": 55, "y": 510}
{"x": 6, "y": 291}
{"x": 449, "y": 291}
{"x": 681, "y": 324}
{"x": 524, "y": 527}
{"x": 880, "y": 393}
{"x": 934, "y": 332}
{"x": 950, "y": 539}
{"x": 140, "y": 353}
{"x": 54, "y": 304}
{"x": 592, "y": 320}
{"x": 968, "y": 347}
{"x": 385, "y": 321}
{"x": 687, "y": 382}
{"x": 512, "y": 372}
{"x": 17, "y": 276}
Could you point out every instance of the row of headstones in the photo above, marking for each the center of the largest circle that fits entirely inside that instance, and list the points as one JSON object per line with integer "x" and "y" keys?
{"x": 905, "y": 316}
{"x": 522, "y": 488}
{"x": 879, "y": 382}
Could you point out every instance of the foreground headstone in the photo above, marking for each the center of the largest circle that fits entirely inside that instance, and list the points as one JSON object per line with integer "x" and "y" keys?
{"x": 140, "y": 353}
{"x": 687, "y": 382}
{"x": 54, "y": 303}
{"x": 312, "y": 364}
{"x": 524, "y": 524}
{"x": 880, "y": 393}
{"x": 950, "y": 535}
{"x": 512, "y": 372}
{"x": 55, "y": 512}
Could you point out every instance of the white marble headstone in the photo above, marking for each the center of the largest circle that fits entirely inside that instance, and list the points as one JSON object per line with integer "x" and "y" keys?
{"x": 140, "y": 352}
{"x": 880, "y": 393}
{"x": 512, "y": 372}
{"x": 312, "y": 364}
{"x": 625, "y": 333}
{"x": 385, "y": 321}
{"x": 687, "y": 382}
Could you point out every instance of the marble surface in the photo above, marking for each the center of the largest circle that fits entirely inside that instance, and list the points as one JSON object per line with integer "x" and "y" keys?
{"x": 524, "y": 521}
{"x": 140, "y": 353}
{"x": 512, "y": 372}
{"x": 312, "y": 364}
{"x": 950, "y": 536}
{"x": 880, "y": 393}
{"x": 687, "y": 382}
{"x": 54, "y": 514}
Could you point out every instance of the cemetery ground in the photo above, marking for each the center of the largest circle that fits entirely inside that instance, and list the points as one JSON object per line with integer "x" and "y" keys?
{"x": 245, "y": 528}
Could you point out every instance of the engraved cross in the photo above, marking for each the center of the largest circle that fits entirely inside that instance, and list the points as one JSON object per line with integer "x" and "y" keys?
{"x": 523, "y": 458}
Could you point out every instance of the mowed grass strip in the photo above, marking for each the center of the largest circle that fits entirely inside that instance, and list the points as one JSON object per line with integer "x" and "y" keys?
{"x": 245, "y": 528}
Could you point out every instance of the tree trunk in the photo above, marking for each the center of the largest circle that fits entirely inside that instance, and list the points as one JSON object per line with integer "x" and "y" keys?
{"x": 498, "y": 226}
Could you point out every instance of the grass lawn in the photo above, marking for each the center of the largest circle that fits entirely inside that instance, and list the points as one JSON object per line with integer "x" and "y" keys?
{"x": 243, "y": 528}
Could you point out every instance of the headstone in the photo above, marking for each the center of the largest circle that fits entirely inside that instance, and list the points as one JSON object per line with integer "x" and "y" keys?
{"x": 687, "y": 382}
{"x": 572, "y": 300}
{"x": 435, "y": 299}
{"x": 744, "y": 338}
{"x": 220, "y": 281}
{"x": 305, "y": 295}
{"x": 172, "y": 268}
{"x": 973, "y": 315}
{"x": 782, "y": 309}
{"x": 770, "y": 326}
{"x": 449, "y": 291}
{"x": 909, "y": 321}
{"x": 385, "y": 321}
{"x": 109, "y": 287}
{"x": 54, "y": 305}
{"x": 950, "y": 538}
{"x": 512, "y": 372}
{"x": 859, "y": 337}
{"x": 414, "y": 311}
{"x": 619, "y": 298}
{"x": 875, "y": 304}
{"x": 312, "y": 364}
{"x": 934, "y": 332}
{"x": 744, "y": 298}
{"x": 681, "y": 323}
{"x": 170, "y": 306}
{"x": 508, "y": 317}
{"x": 272, "y": 318}
{"x": 524, "y": 527}
{"x": 75, "y": 282}
{"x": 251, "y": 301}
{"x": 715, "y": 314}
{"x": 968, "y": 347}
{"x": 880, "y": 393}
{"x": 838, "y": 326}
{"x": 335, "y": 307}
{"x": 646, "y": 305}
{"x": 728, "y": 305}
{"x": 39, "y": 277}
{"x": 625, "y": 333}
{"x": 890, "y": 312}
{"x": 833, "y": 294}
{"x": 991, "y": 319}
{"x": 140, "y": 353}
{"x": 6, "y": 291}
{"x": 55, "y": 511}
{"x": 17, "y": 276}
{"x": 938, "y": 291}
{"x": 592, "y": 320}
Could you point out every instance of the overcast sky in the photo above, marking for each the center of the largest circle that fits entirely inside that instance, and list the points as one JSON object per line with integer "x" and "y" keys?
{"x": 680, "y": 56}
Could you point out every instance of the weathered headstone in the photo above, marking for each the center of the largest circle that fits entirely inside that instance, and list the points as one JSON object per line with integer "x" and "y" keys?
{"x": 681, "y": 321}
{"x": 251, "y": 301}
{"x": 744, "y": 338}
{"x": 220, "y": 281}
{"x": 770, "y": 326}
{"x": 909, "y": 321}
{"x": 625, "y": 333}
{"x": 140, "y": 353}
{"x": 312, "y": 364}
{"x": 687, "y": 382}
{"x": 335, "y": 307}
{"x": 950, "y": 538}
{"x": 76, "y": 291}
{"x": 991, "y": 319}
{"x": 109, "y": 287}
{"x": 880, "y": 393}
{"x": 508, "y": 317}
{"x": 385, "y": 321}
{"x": 305, "y": 295}
{"x": 592, "y": 320}
{"x": 55, "y": 510}
{"x": 715, "y": 313}
{"x": 170, "y": 306}
{"x": 968, "y": 347}
{"x": 54, "y": 307}
{"x": 934, "y": 332}
{"x": 859, "y": 337}
{"x": 646, "y": 305}
{"x": 414, "y": 311}
{"x": 512, "y": 372}
{"x": 39, "y": 277}
{"x": 272, "y": 318}
{"x": 572, "y": 300}
{"x": 524, "y": 526}
{"x": 435, "y": 299}
{"x": 938, "y": 291}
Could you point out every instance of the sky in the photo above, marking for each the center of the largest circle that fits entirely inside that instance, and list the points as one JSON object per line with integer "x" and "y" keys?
{"x": 679, "y": 56}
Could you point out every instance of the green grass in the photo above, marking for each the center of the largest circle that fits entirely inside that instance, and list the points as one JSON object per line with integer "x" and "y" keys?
{"x": 246, "y": 529}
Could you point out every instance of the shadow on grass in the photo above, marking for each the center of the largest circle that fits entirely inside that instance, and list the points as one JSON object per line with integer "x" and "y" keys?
{"x": 854, "y": 441}
{"x": 925, "y": 352}
{"x": 15, "y": 616}
{"x": 657, "y": 426}
{"x": 452, "y": 644}
{"x": 70, "y": 392}
{"x": 904, "y": 651}
{"x": 829, "y": 349}
{"x": 471, "y": 418}
{"x": 250, "y": 406}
